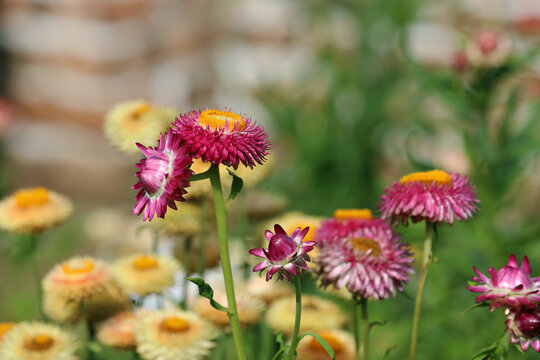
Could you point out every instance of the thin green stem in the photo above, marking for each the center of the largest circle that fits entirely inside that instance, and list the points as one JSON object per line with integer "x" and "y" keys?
{"x": 364, "y": 344}
{"x": 221, "y": 219}
{"x": 295, "y": 339}
{"x": 155, "y": 242}
{"x": 201, "y": 264}
{"x": 426, "y": 260}
{"x": 37, "y": 278}
{"x": 186, "y": 261}
{"x": 355, "y": 329}
{"x": 201, "y": 176}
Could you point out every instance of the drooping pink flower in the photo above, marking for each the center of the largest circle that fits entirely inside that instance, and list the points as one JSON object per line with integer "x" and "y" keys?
{"x": 163, "y": 176}
{"x": 286, "y": 254}
{"x": 511, "y": 285}
{"x": 434, "y": 196}
{"x": 524, "y": 327}
{"x": 369, "y": 261}
{"x": 223, "y": 137}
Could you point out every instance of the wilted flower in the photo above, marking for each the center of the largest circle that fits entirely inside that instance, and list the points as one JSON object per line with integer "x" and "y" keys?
{"x": 118, "y": 331}
{"x": 162, "y": 177}
{"x": 524, "y": 327}
{"x": 340, "y": 341}
{"x": 434, "y": 196}
{"x": 223, "y": 137}
{"x": 33, "y": 210}
{"x": 38, "y": 341}
{"x": 174, "y": 335}
{"x": 370, "y": 261}
{"x": 511, "y": 285}
{"x": 286, "y": 254}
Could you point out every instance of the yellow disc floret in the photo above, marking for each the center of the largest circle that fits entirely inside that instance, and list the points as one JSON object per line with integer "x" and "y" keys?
{"x": 366, "y": 244}
{"x": 330, "y": 338}
{"x": 31, "y": 197}
{"x": 217, "y": 119}
{"x": 174, "y": 324}
{"x": 346, "y": 214}
{"x": 140, "y": 110}
{"x": 145, "y": 262}
{"x": 439, "y": 177}
{"x": 40, "y": 342}
{"x": 78, "y": 267}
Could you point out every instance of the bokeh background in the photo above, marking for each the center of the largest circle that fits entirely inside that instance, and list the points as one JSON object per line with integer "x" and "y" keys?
{"x": 354, "y": 94}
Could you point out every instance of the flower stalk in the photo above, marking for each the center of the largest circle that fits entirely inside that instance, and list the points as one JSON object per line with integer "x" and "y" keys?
{"x": 364, "y": 344}
{"x": 35, "y": 274}
{"x": 298, "y": 313}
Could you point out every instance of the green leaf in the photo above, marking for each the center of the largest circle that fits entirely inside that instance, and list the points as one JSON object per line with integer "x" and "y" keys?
{"x": 237, "y": 184}
{"x": 205, "y": 290}
{"x": 321, "y": 341}
{"x": 496, "y": 351}
{"x": 482, "y": 304}
{"x": 281, "y": 351}
{"x": 387, "y": 352}
{"x": 280, "y": 340}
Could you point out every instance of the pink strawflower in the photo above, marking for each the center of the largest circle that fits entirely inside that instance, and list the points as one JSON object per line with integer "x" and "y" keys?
{"x": 163, "y": 175}
{"x": 511, "y": 285}
{"x": 223, "y": 137}
{"x": 524, "y": 327}
{"x": 434, "y": 196}
{"x": 369, "y": 260}
{"x": 286, "y": 254}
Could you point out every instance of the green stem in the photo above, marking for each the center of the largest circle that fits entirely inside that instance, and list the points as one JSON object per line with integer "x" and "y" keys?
{"x": 186, "y": 261}
{"x": 201, "y": 265}
{"x": 426, "y": 260}
{"x": 364, "y": 345}
{"x": 355, "y": 329}
{"x": 221, "y": 219}
{"x": 295, "y": 339}
{"x": 37, "y": 278}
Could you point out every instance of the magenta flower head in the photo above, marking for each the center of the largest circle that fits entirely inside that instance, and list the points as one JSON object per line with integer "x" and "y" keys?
{"x": 162, "y": 177}
{"x": 511, "y": 285}
{"x": 286, "y": 254}
{"x": 223, "y": 137}
{"x": 434, "y": 196}
{"x": 524, "y": 327}
{"x": 369, "y": 261}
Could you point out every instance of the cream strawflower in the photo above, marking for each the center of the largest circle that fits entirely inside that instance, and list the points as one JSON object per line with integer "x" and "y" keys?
{"x": 268, "y": 291}
{"x": 118, "y": 331}
{"x": 174, "y": 335}
{"x": 33, "y": 210}
{"x": 145, "y": 274}
{"x": 186, "y": 220}
{"x": 340, "y": 341}
{"x": 38, "y": 341}
{"x": 5, "y": 327}
{"x": 317, "y": 314}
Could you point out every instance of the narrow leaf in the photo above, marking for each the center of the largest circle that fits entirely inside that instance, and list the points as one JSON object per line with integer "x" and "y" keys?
{"x": 321, "y": 341}
{"x": 280, "y": 352}
{"x": 205, "y": 290}
{"x": 387, "y": 352}
{"x": 482, "y": 304}
{"x": 237, "y": 184}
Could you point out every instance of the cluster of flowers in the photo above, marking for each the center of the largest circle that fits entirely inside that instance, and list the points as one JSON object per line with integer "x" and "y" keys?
{"x": 513, "y": 289}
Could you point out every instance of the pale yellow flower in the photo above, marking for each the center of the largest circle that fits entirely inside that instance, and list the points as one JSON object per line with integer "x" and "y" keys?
{"x": 5, "y": 327}
{"x": 340, "y": 341}
{"x": 118, "y": 331}
{"x": 268, "y": 291}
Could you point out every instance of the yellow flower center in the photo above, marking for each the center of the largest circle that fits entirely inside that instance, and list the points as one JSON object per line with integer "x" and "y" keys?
{"x": 40, "y": 342}
{"x": 78, "y": 267}
{"x": 145, "y": 262}
{"x": 140, "y": 110}
{"x": 427, "y": 177}
{"x": 5, "y": 327}
{"x": 310, "y": 234}
{"x": 31, "y": 197}
{"x": 175, "y": 324}
{"x": 330, "y": 338}
{"x": 216, "y": 119}
{"x": 365, "y": 244}
{"x": 346, "y": 214}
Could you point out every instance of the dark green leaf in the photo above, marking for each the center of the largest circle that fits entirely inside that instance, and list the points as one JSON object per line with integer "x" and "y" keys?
{"x": 321, "y": 341}
{"x": 387, "y": 352}
{"x": 280, "y": 340}
{"x": 205, "y": 290}
{"x": 237, "y": 184}
{"x": 280, "y": 352}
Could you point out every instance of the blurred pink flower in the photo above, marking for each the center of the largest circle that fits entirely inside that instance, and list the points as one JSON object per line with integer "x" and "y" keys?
{"x": 163, "y": 175}
{"x": 488, "y": 48}
{"x": 434, "y": 196}
{"x": 286, "y": 254}
{"x": 222, "y": 137}
{"x": 524, "y": 327}
{"x": 511, "y": 285}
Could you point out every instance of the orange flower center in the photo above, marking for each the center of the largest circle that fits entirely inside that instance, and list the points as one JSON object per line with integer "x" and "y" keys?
{"x": 310, "y": 234}
{"x": 5, "y": 327}
{"x": 145, "y": 262}
{"x": 216, "y": 119}
{"x": 346, "y": 214}
{"x": 330, "y": 338}
{"x": 365, "y": 244}
{"x": 40, "y": 342}
{"x": 427, "y": 177}
{"x": 31, "y": 197}
{"x": 175, "y": 324}
{"x": 78, "y": 267}
{"x": 140, "y": 110}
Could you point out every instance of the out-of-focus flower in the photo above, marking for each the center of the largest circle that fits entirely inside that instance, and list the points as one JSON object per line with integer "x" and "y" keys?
{"x": 82, "y": 280}
{"x": 145, "y": 274}
{"x": 261, "y": 205}
{"x": 174, "y": 335}
{"x": 134, "y": 122}
{"x": 488, "y": 48}
{"x": 4, "y": 328}
{"x": 211, "y": 253}
{"x": 267, "y": 291}
{"x": 249, "y": 307}
{"x": 344, "y": 222}
{"x": 340, "y": 341}
{"x": 223, "y": 137}
{"x": 370, "y": 262}
{"x": 6, "y": 116}
{"x": 524, "y": 327}
{"x": 317, "y": 315}
{"x": 253, "y": 176}
{"x": 33, "y": 210}
{"x": 286, "y": 254}
{"x": 38, "y": 341}
{"x": 434, "y": 196}
{"x": 511, "y": 285}
{"x": 185, "y": 221}
{"x": 162, "y": 177}
{"x": 118, "y": 331}
{"x": 460, "y": 61}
